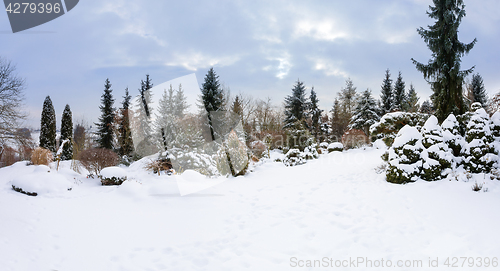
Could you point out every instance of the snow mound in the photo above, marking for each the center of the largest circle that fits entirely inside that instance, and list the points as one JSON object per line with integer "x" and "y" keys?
{"x": 110, "y": 172}
{"x": 42, "y": 181}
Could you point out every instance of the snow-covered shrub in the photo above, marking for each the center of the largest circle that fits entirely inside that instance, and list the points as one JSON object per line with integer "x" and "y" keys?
{"x": 294, "y": 157}
{"x": 436, "y": 158}
{"x": 112, "y": 176}
{"x": 193, "y": 159}
{"x": 237, "y": 154}
{"x": 390, "y": 124}
{"x": 298, "y": 137}
{"x": 258, "y": 148}
{"x": 94, "y": 159}
{"x": 41, "y": 156}
{"x": 354, "y": 138}
{"x": 452, "y": 136}
{"x": 42, "y": 180}
{"x": 404, "y": 158}
{"x": 479, "y": 153}
{"x": 310, "y": 152}
{"x": 323, "y": 148}
{"x": 335, "y": 146}
{"x": 162, "y": 164}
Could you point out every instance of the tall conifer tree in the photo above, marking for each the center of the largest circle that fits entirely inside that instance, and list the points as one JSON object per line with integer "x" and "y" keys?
{"x": 67, "y": 133}
{"x": 48, "y": 126}
{"x": 105, "y": 133}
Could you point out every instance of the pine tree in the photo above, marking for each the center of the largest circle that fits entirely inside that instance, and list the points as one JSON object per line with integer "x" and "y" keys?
{"x": 124, "y": 132}
{"x": 478, "y": 90}
{"x": 48, "y": 126}
{"x": 236, "y": 107}
{"x": 412, "y": 101}
{"x": 212, "y": 97}
{"x": 347, "y": 100}
{"x": 427, "y": 107}
{"x": 337, "y": 127}
{"x": 143, "y": 134}
{"x": 479, "y": 153}
{"x": 387, "y": 95}
{"x": 399, "y": 94}
{"x": 180, "y": 102}
{"x": 105, "y": 134}
{"x": 296, "y": 105}
{"x": 315, "y": 113}
{"x": 166, "y": 120}
{"x": 366, "y": 113}
{"x": 67, "y": 134}
{"x": 443, "y": 70}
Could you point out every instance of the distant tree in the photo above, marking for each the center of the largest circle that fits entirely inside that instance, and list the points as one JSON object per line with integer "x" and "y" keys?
{"x": 48, "y": 126}
{"x": 387, "y": 94}
{"x": 443, "y": 70}
{"x": 399, "y": 94}
{"x": 180, "y": 102}
{"x": 412, "y": 101}
{"x": 237, "y": 107}
{"x": 212, "y": 97}
{"x": 478, "y": 91}
{"x": 427, "y": 107}
{"x": 347, "y": 100}
{"x": 296, "y": 105}
{"x": 315, "y": 113}
{"x": 79, "y": 138}
{"x": 67, "y": 133}
{"x": 366, "y": 113}
{"x": 125, "y": 142}
{"x": 337, "y": 126}
{"x": 105, "y": 133}
{"x": 166, "y": 119}
{"x": 11, "y": 97}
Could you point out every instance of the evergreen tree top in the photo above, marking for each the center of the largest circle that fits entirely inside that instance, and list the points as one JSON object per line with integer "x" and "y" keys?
{"x": 211, "y": 92}
{"x": 126, "y": 100}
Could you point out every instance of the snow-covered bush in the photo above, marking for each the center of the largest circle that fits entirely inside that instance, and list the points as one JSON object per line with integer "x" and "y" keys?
{"x": 41, "y": 156}
{"x": 452, "y": 136}
{"x": 94, "y": 160}
{"x": 294, "y": 157}
{"x": 113, "y": 176}
{"x": 479, "y": 153}
{"x": 42, "y": 180}
{"x": 162, "y": 164}
{"x": 298, "y": 137}
{"x": 310, "y": 152}
{"x": 354, "y": 138}
{"x": 436, "y": 158}
{"x": 323, "y": 148}
{"x": 335, "y": 146}
{"x": 193, "y": 159}
{"x": 404, "y": 158}
{"x": 390, "y": 124}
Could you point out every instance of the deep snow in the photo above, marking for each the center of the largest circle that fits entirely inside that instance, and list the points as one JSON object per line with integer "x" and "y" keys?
{"x": 336, "y": 206}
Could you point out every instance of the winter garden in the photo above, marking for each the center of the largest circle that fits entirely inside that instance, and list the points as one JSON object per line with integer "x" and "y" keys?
{"x": 245, "y": 183}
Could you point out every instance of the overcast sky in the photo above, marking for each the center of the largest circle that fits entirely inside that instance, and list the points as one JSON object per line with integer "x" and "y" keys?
{"x": 259, "y": 48}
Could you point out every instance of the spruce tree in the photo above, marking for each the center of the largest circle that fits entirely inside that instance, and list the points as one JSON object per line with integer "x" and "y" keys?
{"x": 105, "y": 133}
{"x": 296, "y": 105}
{"x": 237, "y": 107}
{"x": 67, "y": 134}
{"x": 124, "y": 132}
{"x": 165, "y": 118}
{"x": 315, "y": 113}
{"x": 180, "y": 102}
{"x": 443, "y": 70}
{"x": 387, "y": 95}
{"x": 143, "y": 134}
{"x": 212, "y": 97}
{"x": 399, "y": 94}
{"x": 412, "y": 101}
{"x": 478, "y": 90}
{"x": 48, "y": 126}
{"x": 427, "y": 107}
{"x": 337, "y": 129}
{"x": 365, "y": 114}
{"x": 347, "y": 99}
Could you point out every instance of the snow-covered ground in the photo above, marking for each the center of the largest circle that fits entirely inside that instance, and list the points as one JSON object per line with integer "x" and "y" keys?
{"x": 275, "y": 218}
